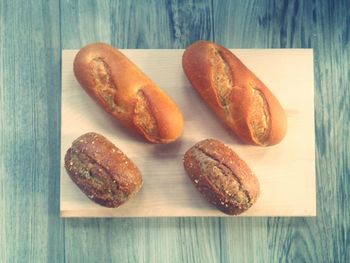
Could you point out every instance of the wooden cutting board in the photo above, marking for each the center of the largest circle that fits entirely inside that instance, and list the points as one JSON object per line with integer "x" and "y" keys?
{"x": 286, "y": 171}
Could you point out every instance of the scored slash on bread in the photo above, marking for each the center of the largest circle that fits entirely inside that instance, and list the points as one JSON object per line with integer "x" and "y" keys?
{"x": 234, "y": 93}
{"x": 221, "y": 176}
{"x": 102, "y": 171}
{"x": 126, "y": 93}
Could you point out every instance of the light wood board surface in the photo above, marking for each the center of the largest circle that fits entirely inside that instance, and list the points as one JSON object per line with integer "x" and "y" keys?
{"x": 286, "y": 171}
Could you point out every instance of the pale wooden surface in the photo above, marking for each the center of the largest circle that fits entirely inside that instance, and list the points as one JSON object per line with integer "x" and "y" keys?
{"x": 32, "y": 34}
{"x": 286, "y": 171}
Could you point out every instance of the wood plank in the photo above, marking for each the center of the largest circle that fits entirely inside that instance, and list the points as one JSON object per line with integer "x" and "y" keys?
{"x": 286, "y": 172}
{"x": 135, "y": 24}
{"x": 30, "y": 227}
{"x": 323, "y": 26}
{"x": 139, "y": 24}
{"x": 332, "y": 44}
{"x": 143, "y": 240}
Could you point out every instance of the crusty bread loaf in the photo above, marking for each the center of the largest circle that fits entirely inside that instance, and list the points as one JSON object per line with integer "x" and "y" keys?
{"x": 125, "y": 92}
{"x": 235, "y": 94}
{"x": 106, "y": 175}
{"x": 221, "y": 176}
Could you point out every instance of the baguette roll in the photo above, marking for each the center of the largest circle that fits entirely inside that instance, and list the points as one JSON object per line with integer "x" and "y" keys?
{"x": 126, "y": 93}
{"x": 235, "y": 94}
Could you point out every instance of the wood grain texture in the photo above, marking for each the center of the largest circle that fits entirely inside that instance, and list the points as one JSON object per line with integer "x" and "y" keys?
{"x": 3, "y": 254}
{"x": 135, "y": 24}
{"x": 140, "y": 240}
{"x": 31, "y": 230}
{"x": 323, "y": 26}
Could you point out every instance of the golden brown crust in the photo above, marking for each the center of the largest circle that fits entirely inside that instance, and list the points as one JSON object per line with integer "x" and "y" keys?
{"x": 221, "y": 176}
{"x": 122, "y": 90}
{"x": 235, "y": 94}
{"x": 105, "y": 174}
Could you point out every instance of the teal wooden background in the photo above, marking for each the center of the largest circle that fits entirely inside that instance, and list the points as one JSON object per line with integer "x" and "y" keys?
{"x": 32, "y": 34}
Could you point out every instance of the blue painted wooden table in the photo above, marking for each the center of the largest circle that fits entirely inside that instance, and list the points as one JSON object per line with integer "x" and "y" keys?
{"x": 32, "y": 35}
